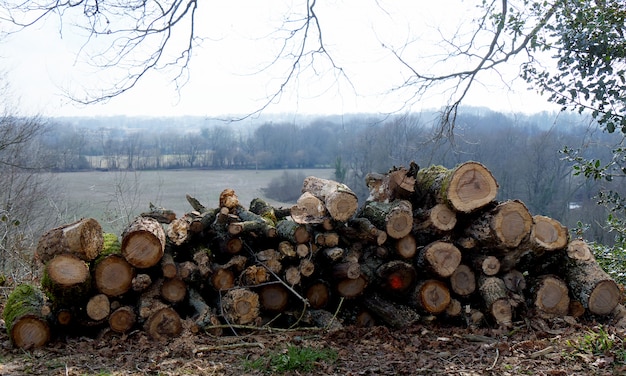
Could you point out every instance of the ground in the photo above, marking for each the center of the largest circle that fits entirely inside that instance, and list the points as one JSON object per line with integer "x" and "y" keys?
{"x": 552, "y": 347}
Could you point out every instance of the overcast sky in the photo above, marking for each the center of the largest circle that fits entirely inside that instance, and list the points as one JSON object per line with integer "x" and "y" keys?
{"x": 42, "y": 64}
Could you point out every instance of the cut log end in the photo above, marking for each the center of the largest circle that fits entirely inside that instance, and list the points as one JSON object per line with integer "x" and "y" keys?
{"x": 548, "y": 234}
{"x": 471, "y": 186}
{"x": 604, "y": 297}
{"x": 240, "y": 306}
{"x": 30, "y": 332}
{"x": 432, "y": 296}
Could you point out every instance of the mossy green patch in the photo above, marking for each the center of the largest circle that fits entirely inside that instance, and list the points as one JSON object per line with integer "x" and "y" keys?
{"x": 25, "y": 299}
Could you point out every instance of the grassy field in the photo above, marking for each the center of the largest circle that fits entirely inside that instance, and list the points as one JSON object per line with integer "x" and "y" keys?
{"x": 112, "y": 196}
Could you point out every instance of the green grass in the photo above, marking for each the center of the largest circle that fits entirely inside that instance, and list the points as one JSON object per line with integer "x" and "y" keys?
{"x": 292, "y": 359}
{"x": 595, "y": 342}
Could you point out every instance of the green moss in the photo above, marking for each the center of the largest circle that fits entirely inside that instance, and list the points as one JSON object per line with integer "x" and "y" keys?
{"x": 426, "y": 177}
{"x": 111, "y": 244}
{"x": 24, "y": 299}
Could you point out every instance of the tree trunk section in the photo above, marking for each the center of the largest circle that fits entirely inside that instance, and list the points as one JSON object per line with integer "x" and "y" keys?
{"x": 240, "y": 306}
{"x": 293, "y": 232}
{"x": 123, "y": 319}
{"x": 67, "y": 278}
{"x": 592, "y": 286}
{"x": 436, "y": 221}
{"x": 396, "y": 276}
{"x": 465, "y": 188}
{"x": 406, "y": 247}
{"x": 488, "y": 265}
{"x": 396, "y": 217}
{"x": 361, "y": 229}
{"x": 463, "y": 280}
{"x": 494, "y": 293}
{"x": 24, "y": 317}
{"x": 550, "y": 296}
{"x": 431, "y": 296}
{"x": 351, "y": 287}
{"x": 82, "y": 238}
{"x": 548, "y": 234}
{"x": 395, "y": 315}
{"x": 440, "y": 258}
{"x": 339, "y": 200}
{"x": 505, "y": 226}
{"x": 143, "y": 242}
{"x": 173, "y": 290}
{"x": 164, "y": 324}
{"x": 113, "y": 275}
{"x": 98, "y": 307}
{"x": 274, "y": 297}
{"x": 318, "y": 294}
{"x": 309, "y": 209}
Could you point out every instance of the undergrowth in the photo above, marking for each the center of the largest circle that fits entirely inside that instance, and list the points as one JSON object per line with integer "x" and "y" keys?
{"x": 293, "y": 358}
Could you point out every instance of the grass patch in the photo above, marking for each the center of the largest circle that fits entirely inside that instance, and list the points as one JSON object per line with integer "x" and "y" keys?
{"x": 292, "y": 359}
{"x": 594, "y": 342}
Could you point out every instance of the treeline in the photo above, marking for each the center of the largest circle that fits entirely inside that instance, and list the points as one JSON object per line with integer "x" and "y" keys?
{"x": 524, "y": 152}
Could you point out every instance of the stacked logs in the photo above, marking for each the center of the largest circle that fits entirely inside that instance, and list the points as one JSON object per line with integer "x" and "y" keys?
{"x": 429, "y": 243}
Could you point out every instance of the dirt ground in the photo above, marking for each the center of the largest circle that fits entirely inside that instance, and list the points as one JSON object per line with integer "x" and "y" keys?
{"x": 530, "y": 348}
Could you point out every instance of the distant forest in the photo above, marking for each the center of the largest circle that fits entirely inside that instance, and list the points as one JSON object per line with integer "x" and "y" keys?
{"x": 524, "y": 152}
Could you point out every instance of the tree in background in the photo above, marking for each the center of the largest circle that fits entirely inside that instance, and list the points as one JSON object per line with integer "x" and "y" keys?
{"x": 29, "y": 199}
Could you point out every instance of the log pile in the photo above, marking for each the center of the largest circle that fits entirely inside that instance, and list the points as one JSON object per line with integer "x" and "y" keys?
{"x": 427, "y": 244}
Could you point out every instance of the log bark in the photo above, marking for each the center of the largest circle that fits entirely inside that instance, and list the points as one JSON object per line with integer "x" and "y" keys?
{"x": 82, "y": 238}
{"x": 254, "y": 275}
{"x": 589, "y": 284}
{"x": 495, "y": 296}
{"x": 141, "y": 282}
{"x": 240, "y": 306}
{"x": 178, "y": 231}
{"x": 25, "y": 317}
{"x": 261, "y": 207}
{"x": 399, "y": 183}
{"x": 431, "y": 296}
{"x": 393, "y": 314}
{"x": 463, "y": 280}
{"x": 203, "y": 316}
{"x": 123, "y": 319}
{"x": 67, "y": 278}
{"x": 465, "y": 188}
{"x": 168, "y": 266}
{"x": 113, "y": 275}
{"x": 514, "y": 281}
{"x": 228, "y": 199}
{"x": 505, "y": 226}
{"x": 436, "y": 221}
{"x": 293, "y": 232}
{"x": 550, "y": 296}
{"x": 396, "y": 217}
{"x": 362, "y": 230}
{"x": 338, "y": 199}
{"x": 143, "y": 242}
{"x": 439, "y": 258}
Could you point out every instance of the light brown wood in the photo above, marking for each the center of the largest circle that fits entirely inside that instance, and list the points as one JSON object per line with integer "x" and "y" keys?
{"x": 240, "y": 306}
{"x": 143, "y": 242}
{"x": 228, "y": 199}
{"x": 440, "y": 258}
{"x": 431, "y": 296}
{"x": 395, "y": 217}
{"x": 173, "y": 290}
{"x": 26, "y": 325}
{"x": 123, "y": 319}
{"x": 254, "y": 275}
{"x": 465, "y": 188}
{"x": 168, "y": 266}
{"x": 83, "y": 238}
{"x": 178, "y": 230}
{"x": 340, "y": 201}
{"x": 548, "y": 234}
{"x": 502, "y": 227}
{"x": 309, "y": 209}
{"x": 487, "y": 264}
{"x": 406, "y": 247}
{"x": 550, "y": 296}
{"x": 113, "y": 275}
{"x": 591, "y": 285}
{"x": 463, "y": 280}
{"x": 67, "y": 278}
{"x": 164, "y": 324}
{"x": 98, "y": 307}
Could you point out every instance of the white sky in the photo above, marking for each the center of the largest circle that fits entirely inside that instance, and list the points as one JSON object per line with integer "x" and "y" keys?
{"x": 41, "y": 65}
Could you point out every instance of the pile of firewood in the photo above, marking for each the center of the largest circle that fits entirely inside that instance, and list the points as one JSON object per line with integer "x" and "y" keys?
{"x": 427, "y": 244}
